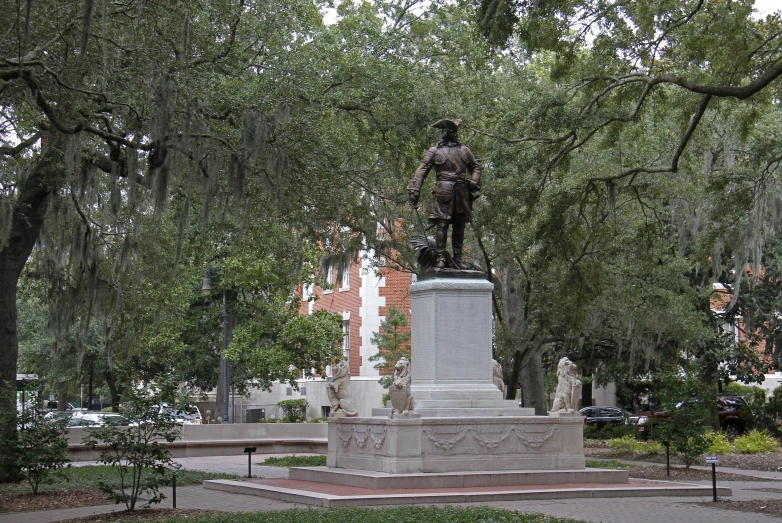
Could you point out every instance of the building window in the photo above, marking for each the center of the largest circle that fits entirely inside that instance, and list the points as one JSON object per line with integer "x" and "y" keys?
{"x": 346, "y": 340}
{"x": 345, "y": 284}
{"x": 329, "y": 280}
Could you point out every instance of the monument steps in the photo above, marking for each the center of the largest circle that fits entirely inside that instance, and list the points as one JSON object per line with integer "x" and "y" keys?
{"x": 335, "y": 495}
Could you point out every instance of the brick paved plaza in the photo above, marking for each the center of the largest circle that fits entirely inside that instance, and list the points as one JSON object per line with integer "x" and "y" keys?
{"x": 607, "y": 510}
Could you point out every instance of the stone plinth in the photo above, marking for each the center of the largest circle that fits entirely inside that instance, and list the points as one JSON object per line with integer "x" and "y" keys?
{"x": 402, "y": 446}
{"x": 451, "y": 344}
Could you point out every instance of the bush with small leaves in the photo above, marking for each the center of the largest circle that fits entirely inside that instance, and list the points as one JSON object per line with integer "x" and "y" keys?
{"x": 138, "y": 452}
{"x": 719, "y": 444}
{"x": 631, "y": 445}
{"x": 294, "y": 410}
{"x": 42, "y": 446}
{"x": 755, "y": 441}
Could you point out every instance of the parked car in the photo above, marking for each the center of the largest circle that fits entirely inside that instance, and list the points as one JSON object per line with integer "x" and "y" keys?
{"x": 53, "y": 405}
{"x": 601, "y": 416}
{"x": 191, "y": 416}
{"x": 735, "y": 416}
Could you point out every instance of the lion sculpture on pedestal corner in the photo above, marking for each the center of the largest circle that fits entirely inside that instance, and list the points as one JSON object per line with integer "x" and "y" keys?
{"x": 399, "y": 391}
{"x": 339, "y": 392}
{"x": 568, "y": 387}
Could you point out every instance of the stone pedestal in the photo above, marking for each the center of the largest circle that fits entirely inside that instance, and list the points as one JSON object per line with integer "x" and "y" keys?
{"x": 451, "y": 345}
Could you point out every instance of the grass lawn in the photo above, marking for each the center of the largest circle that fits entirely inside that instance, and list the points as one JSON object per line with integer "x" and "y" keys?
{"x": 295, "y": 461}
{"x": 410, "y": 514}
{"x": 89, "y": 477}
{"x": 608, "y": 464}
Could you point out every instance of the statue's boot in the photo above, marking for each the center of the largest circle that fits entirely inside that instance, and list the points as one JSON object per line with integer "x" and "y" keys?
{"x": 457, "y": 240}
{"x": 440, "y": 239}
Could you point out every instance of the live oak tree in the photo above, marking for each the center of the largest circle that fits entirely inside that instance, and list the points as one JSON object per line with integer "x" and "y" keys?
{"x": 640, "y": 115}
{"x": 111, "y": 108}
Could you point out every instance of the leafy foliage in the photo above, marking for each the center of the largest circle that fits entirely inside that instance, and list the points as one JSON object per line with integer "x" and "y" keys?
{"x": 631, "y": 445}
{"x": 756, "y": 441}
{"x": 294, "y": 410}
{"x": 136, "y": 452}
{"x": 42, "y": 448}
{"x": 607, "y": 431}
{"x": 393, "y": 343}
{"x": 719, "y": 443}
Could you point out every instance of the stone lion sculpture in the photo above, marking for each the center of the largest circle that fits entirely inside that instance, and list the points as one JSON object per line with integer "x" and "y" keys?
{"x": 496, "y": 371}
{"x": 339, "y": 392}
{"x": 568, "y": 387}
{"x": 399, "y": 391}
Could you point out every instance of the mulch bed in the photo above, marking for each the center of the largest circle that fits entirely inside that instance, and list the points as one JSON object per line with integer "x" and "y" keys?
{"x": 683, "y": 474}
{"x": 52, "y": 500}
{"x": 144, "y": 514}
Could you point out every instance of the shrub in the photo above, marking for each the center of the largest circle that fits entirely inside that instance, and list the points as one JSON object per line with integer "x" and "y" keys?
{"x": 294, "y": 410}
{"x": 630, "y": 445}
{"x": 755, "y": 441}
{"x": 718, "y": 443}
{"x": 627, "y": 445}
{"x": 42, "y": 446}
{"x": 607, "y": 431}
{"x": 135, "y": 451}
{"x": 685, "y": 430}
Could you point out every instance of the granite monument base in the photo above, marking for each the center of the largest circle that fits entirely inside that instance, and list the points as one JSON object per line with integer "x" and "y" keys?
{"x": 404, "y": 446}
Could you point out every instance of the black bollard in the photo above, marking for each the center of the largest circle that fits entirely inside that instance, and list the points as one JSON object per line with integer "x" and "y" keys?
{"x": 667, "y": 458}
{"x": 174, "y": 468}
{"x": 249, "y": 451}
{"x": 714, "y": 481}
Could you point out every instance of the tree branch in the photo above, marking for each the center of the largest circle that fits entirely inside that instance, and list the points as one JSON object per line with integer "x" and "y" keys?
{"x": 10, "y": 151}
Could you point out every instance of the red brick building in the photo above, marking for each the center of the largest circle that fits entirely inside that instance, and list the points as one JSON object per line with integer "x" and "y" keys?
{"x": 362, "y": 297}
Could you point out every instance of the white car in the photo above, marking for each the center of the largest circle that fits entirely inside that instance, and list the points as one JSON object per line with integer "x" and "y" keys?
{"x": 190, "y": 417}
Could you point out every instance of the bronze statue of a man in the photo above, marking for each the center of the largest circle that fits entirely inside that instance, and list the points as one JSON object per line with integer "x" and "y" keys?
{"x": 458, "y": 179}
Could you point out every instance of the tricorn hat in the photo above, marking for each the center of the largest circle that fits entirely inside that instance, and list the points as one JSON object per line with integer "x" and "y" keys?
{"x": 448, "y": 124}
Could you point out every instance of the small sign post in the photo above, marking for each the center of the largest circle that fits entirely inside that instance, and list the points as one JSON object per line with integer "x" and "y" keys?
{"x": 714, "y": 460}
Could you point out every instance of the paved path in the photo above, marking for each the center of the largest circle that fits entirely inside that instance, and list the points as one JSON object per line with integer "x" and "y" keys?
{"x": 609, "y": 510}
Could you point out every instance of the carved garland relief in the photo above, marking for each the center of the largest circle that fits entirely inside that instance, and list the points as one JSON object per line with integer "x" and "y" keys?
{"x": 361, "y": 436}
{"x": 447, "y": 443}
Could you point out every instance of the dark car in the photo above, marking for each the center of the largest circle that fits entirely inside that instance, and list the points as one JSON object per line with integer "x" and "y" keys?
{"x": 601, "y": 416}
{"x": 735, "y": 416}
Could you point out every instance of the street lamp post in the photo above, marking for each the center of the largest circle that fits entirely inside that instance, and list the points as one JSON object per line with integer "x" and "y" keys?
{"x": 226, "y": 376}
{"x": 206, "y": 289}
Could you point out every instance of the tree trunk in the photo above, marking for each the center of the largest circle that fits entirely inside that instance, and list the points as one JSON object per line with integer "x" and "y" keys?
{"x": 62, "y": 398}
{"x": 220, "y": 398}
{"x": 532, "y": 385}
{"x": 26, "y": 222}
{"x": 114, "y": 390}
{"x": 89, "y": 386}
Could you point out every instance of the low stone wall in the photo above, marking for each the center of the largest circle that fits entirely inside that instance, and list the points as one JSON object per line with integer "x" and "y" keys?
{"x": 224, "y": 440}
